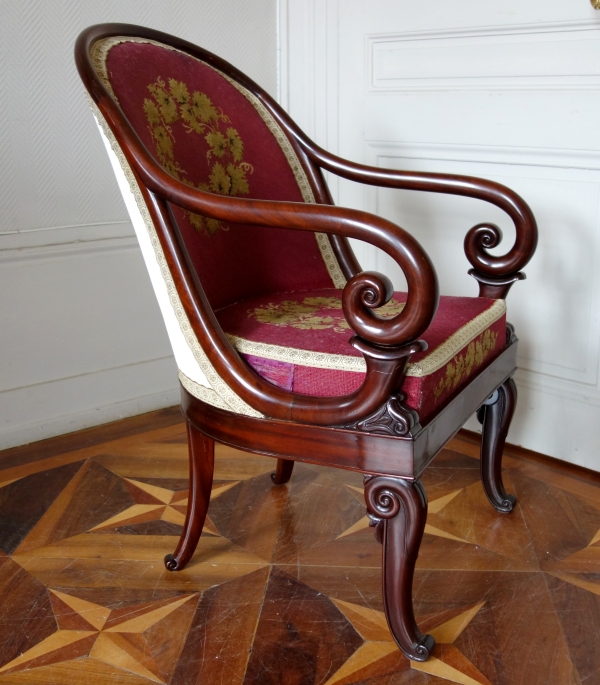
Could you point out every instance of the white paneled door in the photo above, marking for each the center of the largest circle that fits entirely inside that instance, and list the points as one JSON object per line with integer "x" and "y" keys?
{"x": 508, "y": 91}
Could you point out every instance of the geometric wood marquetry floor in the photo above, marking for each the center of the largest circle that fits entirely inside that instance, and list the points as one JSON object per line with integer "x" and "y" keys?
{"x": 285, "y": 585}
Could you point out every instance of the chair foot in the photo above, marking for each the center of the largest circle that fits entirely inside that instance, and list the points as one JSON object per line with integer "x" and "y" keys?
{"x": 283, "y": 472}
{"x": 202, "y": 458}
{"x": 495, "y": 418}
{"x": 171, "y": 563}
{"x": 398, "y": 509}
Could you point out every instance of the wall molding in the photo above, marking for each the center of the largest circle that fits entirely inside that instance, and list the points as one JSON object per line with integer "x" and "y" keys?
{"x": 32, "y": 408}
{"x": 56, "y": 243}
{"x": 88, "y": 376}
{"x": 495, "y": 30}
{"x": 491, "y": 154}
{"x": 100, "y": 397}
{"x": 391, "y": 69}
{"x": 58, "y": 252}
{"x": 558, "y": 387}
{"x": 51, "y": 238}
{"x": 308, "y": 91}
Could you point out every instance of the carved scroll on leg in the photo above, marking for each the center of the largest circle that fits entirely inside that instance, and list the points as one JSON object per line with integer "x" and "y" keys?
{"x": 202, "y": 460}
{"x": 398, "y": 509}
{"x": 496, "y": 417}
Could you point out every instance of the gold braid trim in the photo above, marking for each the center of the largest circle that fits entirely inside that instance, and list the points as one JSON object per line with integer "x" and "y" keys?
{"x": 454, "y": 344}
{"x": 292, "y": 355}
{"x": 203, "y": 393}
{"x": 99, "y": 54}
{"x": 433, "y": 362}
{"x": 227, "y": 396}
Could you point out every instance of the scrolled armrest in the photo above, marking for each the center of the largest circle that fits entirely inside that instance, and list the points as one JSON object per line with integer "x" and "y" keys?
{"x": 365, "y": 291}
{"x": 480, "y": 238}
{"x": 369, "y": 290}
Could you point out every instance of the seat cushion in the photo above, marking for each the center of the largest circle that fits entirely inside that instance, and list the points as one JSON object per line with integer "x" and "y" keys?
{"x": 300, "y": 341}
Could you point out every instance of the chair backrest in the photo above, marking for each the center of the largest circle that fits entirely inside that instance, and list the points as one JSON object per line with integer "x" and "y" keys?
{"x": 209, "y": 131}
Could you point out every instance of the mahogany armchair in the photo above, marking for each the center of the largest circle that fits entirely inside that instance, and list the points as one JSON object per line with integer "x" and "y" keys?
{"x": 284, "y": 346}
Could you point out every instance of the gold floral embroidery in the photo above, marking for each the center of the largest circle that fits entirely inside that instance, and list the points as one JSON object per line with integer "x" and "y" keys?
{"x": 199, "y": 115}
{"x": 459, "y": 369}
{"x": 305, "y": 315}
{"x": 235, "y": 144}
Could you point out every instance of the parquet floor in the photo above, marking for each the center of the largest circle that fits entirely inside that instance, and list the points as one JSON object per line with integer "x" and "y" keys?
{"x": 285, "y": 586}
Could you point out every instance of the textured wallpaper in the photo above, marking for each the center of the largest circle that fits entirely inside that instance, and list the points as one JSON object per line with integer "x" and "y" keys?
{"x": 54, "y": 171}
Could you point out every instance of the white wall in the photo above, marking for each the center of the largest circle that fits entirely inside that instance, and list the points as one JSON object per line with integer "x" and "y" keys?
{"x": 508, "y": 91}
{"x": 81, "y": 337}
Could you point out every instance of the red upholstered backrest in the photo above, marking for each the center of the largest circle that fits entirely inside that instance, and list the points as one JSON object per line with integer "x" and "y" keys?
{"x": 207, "y": 133}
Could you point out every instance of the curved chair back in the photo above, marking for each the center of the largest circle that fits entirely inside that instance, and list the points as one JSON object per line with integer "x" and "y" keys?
{"x": 212, "y": 128}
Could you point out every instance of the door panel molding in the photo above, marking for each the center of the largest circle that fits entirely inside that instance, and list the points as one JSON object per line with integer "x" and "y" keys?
{"x": 540, "y": 58}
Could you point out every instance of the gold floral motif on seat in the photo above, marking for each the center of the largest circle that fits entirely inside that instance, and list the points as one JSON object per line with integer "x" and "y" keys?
{"x": 460, "y": 368}
{"x": 199, "y": 116}
{"x": 309, "y": 314}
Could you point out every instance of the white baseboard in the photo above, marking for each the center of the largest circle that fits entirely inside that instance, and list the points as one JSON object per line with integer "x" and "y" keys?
{"x": 62, "y": 406}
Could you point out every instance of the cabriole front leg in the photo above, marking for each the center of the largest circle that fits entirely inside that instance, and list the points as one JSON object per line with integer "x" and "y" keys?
{"x": 202, "y": 463}
{"x": 398, "y": 509}
{"x": 495, "y": 415}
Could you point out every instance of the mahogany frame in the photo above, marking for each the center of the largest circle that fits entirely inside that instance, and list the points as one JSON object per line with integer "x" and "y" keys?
{"x": 369, "y": 430}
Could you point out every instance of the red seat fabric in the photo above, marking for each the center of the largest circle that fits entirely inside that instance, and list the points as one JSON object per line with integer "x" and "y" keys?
{"x": 300, "y": 341}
